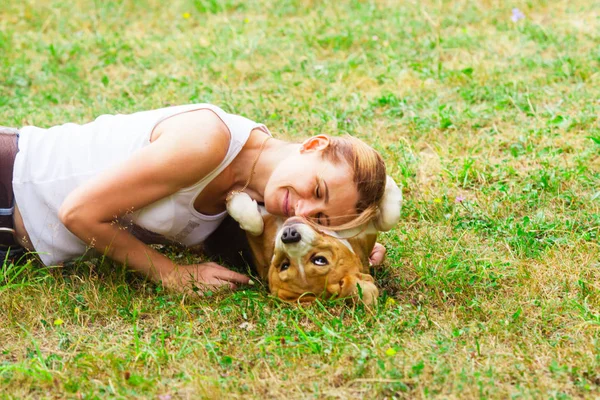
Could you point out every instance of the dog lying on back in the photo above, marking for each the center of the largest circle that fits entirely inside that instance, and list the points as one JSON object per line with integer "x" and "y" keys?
{"x": 302, "y": 262}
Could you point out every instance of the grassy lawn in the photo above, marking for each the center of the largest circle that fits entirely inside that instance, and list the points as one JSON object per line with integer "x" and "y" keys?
{"x": 491, "y": 288}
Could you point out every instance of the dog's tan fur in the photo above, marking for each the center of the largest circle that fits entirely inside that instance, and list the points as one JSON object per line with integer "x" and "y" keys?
{"x": 346, "y": 274}
{"x": 313, "y": 263}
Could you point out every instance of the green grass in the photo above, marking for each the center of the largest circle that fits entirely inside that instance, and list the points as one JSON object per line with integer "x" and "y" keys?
{"x": 494, "y": 296}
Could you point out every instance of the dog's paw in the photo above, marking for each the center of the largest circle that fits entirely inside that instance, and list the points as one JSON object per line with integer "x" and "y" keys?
{"x": 245, "y": 211}
{"x": 358, "y": 288}
{"x": 390, "y": 206}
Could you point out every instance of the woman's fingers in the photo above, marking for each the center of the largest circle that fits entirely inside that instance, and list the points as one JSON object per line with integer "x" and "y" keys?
{"x": 199, "y": 278}
{"x": 232, "y": 276}
{"x": 377, "y": 255}
{"x": 213, "y": 273}
{"x": 215, "y": 284}
{"x": 220, "y": 283}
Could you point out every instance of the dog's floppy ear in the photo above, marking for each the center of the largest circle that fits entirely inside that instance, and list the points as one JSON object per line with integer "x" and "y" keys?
{"x": 358, "y": 287}
{"x": 389, "y": 208}
{"x": 245, "y": 211}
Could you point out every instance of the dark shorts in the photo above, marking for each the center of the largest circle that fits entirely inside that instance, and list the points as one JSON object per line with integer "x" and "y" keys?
{"x": 9, "y": 246}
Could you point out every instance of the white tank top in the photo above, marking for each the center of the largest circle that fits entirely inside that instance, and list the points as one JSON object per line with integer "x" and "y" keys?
{"x": 53, "y": 162}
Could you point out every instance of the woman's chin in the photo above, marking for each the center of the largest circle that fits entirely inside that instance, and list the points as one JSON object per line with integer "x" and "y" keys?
{"x": 274, "y": 203}
{"x": 271, "y": 209}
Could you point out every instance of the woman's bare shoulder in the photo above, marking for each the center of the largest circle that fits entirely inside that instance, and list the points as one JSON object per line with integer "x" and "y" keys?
{"x": 189, "y": 148}
{"x": 193, "y": 124}
{"x": 194, "y": 142}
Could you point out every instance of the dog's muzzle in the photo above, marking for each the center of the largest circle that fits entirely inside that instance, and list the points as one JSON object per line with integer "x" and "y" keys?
{"x": 290, "y": 235}
{"x": 295, "y": 238}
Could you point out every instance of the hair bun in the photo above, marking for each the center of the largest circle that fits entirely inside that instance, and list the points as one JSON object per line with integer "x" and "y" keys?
{"x": 388, "y": 214}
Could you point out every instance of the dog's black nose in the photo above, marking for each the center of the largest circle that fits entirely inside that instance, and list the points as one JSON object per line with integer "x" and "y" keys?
{"x": 290, "y": 235}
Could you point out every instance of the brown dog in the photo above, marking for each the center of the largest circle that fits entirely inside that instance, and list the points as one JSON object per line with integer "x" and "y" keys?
{"x": 303, "y": 263}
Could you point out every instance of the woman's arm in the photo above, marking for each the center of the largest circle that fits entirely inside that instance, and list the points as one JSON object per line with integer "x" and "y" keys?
{"x": 190, "y": 146}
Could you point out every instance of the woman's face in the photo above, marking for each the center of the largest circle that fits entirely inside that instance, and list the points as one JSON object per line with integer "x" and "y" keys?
{"x": 305, "y": 184}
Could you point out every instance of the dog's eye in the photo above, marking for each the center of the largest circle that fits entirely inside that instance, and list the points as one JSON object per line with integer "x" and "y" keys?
{"x": 319, "y": 260}
{"x": 285, "y": 265}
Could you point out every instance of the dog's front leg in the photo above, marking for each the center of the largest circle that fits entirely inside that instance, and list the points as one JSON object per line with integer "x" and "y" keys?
{"x": 245, "y": 211}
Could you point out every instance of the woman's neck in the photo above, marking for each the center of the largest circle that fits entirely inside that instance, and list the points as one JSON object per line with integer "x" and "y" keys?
{"x": 274, "y": 152}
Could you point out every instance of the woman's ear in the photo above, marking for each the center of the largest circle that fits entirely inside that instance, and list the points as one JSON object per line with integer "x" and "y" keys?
{"x": 315, "y": 143}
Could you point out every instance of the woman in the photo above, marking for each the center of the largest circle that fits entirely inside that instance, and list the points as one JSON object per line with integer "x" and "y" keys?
{"x": 125, "y": 180}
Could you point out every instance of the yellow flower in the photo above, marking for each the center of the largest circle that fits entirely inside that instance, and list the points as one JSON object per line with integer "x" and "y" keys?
{"x": 58, "y": 322}
{"x": 186, "y": 15}
{"x": 390, "y": 352}
{"x": 246, "y": 20}
{"x": 390, "y": 302}
{"x": 437, "y": 200}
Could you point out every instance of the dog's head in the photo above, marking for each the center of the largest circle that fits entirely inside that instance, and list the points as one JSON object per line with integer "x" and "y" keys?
{"x": 302, "y": 263}
{"x": 308, "y": 263}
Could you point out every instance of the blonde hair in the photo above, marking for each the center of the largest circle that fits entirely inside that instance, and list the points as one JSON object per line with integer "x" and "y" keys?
{"x": 369, "y": 175}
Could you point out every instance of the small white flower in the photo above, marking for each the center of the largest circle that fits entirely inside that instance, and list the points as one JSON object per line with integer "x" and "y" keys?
{"x": 246, "y": 325}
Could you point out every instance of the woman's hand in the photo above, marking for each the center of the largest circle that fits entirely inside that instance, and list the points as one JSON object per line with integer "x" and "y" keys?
{"x": 205, "y": 276}
{"x": 377, "y": 254}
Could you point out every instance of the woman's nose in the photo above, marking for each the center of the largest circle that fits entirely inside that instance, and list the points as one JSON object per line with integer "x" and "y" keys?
{"x": 304, "y": 208}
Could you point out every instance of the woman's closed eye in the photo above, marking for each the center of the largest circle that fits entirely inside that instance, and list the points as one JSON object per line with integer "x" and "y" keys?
{"x": 321, "y": 191}
{"x": 322, "y": 219}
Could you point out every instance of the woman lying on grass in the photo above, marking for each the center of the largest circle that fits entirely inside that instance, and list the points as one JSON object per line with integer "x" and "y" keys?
{"x": 124, "y": 181}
